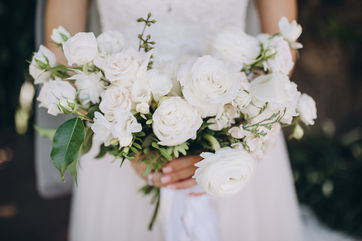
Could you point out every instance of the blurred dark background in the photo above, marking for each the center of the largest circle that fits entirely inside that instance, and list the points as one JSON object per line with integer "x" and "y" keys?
{"x": 327, "y": 163}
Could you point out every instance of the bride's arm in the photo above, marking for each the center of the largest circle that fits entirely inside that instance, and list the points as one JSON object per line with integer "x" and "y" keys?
{"x": 271, "y": 11}
{"x": 71, "y": 14}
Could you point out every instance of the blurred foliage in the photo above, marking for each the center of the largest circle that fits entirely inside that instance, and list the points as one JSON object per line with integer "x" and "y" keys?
{"x": 328, "y": 173}
{"x": 16, "y": 46}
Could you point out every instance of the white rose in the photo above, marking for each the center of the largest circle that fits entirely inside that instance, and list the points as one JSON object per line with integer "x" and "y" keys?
{"x": 54, "y": 93}
{"x": 60, "y": 35}
{"x": 80, "y": 49}
{"x": 41, "y": 61}
{"x": 90, "y": 87}
{"x": 160, "y": 84}
{"x": 115, "y": 97}
{"x": 208, "y": 84}
{"x": 307, "y": 109}
{"x": 224, "y": 173}
{"x": 282, "y": 60}
{"x": 123, "y": 67}
{"x": 290, "y": 31}
{"x": 167, "y": 66}
{"x": 279, "y": 93}
{"x": 102, "y": 129}
{"x": 110, "y": 42}
{"x": 234, "y": 45}
{"x": 225, "y": 119}
{"x": 123, "y": 126}
{"x": 175, "y": 121}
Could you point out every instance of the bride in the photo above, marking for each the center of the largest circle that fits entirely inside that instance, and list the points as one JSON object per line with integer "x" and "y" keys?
{"x": 106, "y": 203}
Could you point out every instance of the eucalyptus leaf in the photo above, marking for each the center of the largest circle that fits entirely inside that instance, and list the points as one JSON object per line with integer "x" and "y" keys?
{"x": 67, "y": 142}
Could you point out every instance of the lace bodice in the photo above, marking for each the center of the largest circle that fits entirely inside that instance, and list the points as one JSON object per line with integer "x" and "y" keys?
{"x": 183, "y": 26}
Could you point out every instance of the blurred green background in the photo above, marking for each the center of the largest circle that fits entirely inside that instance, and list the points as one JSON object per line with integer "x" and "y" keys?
{"x": 327, "y": 163}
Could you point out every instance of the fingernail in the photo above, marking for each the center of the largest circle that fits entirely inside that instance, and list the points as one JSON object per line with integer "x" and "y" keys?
{"x": 165, "y": 179}
{"x": 167, "y": 169}
{"x": 171, "y": 186}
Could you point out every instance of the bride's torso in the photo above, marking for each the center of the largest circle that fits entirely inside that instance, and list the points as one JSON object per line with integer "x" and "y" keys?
{"x": 183, "y": 26}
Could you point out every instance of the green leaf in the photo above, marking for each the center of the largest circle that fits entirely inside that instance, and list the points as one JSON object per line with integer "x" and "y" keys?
{"x": 102, "y": 151}
{"x": 87, "y": 144}
{"x": 67, "y": 143}
{"x": 45, "y": 132}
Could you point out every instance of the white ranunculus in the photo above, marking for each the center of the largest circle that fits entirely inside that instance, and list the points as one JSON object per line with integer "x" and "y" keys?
{"x": 307, "y": 109}
{"x": 110, "y": 42}
{"x": 290, "y": 31}
{"x": 102, "y": 129}
{"x": 60, "y": 35}
{"x": 208, "y": 84}
{"x": 90, "y": 87}
{"x": 124, "y": 125}
{"x": 175, "y": 121}
{"x": 54, "y": 93}
{"x": 279, "y": 93}
{"x": 282, "y": 59}
{"x": 224, "y": 119}
{"x": 113, "y": 98}
{"x": 225, "y": 172}
{"x": 123, "y": 67}
{"x": 234, "y": 45}
{"x": 80, "y": 49}
{"x": 41, "y": 61}
{"x": 160, "y": 84}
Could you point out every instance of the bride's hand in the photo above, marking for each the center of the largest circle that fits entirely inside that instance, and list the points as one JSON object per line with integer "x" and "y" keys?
{"x": 177, "y": 174}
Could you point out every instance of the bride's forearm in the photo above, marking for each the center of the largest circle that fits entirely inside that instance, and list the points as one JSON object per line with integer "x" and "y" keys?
{"x": 67, "y": 13}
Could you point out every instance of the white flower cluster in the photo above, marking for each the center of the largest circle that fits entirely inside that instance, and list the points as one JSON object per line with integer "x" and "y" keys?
{"x": 231, "y": 102}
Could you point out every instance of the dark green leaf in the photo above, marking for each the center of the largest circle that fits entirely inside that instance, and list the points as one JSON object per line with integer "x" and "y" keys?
{"x": 102, "y": 151}
{"x": 87, "y": 144}
{"x": 66, "y": 144}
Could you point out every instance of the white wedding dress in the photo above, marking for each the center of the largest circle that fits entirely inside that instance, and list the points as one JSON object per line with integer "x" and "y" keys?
{"x": 106, "y": 204}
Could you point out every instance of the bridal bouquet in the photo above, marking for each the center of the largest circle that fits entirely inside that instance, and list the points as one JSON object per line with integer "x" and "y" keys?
{"x": 227, "y": 105}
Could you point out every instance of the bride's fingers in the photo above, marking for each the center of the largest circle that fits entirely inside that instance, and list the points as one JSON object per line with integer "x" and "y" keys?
{"x": 180, "y": 163}
{"x": 183, "y": 184}
{"x": 178, "y": 175}
{"x": 196, "y": 194}
{"x": 156, "y": 179}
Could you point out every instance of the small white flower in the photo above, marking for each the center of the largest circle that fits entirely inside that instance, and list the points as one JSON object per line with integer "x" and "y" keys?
{"x": 208, "y": 84}
{"x": 90, "y": 87}
{"x": 54, "y": 93}
{"x": 113, "y": 98}
{"x": 279, "y": 93}
{"x": 110, "y": 42}
{"x": 102, "y": 129}
{"x": 290, "y": 31}
{"x": 141, "y": 92}
{"x": 238, "y": 132}
{"x": 80, "y": 49}
{"x": 225, "y": 172}
{"x": 60, "y": 35}
{"x": 41, "y": 61}
{"x": 143, "y": 108}
{"x": 160, "y": 84}
{"x": 234, "y": 45}
{"x": 123, "y": 126}
{"x": 298, "y": 132}
{"x": 281, "y": 60}
{"x": 175, "y": 121}
{"x": 123, "y": 67}
{"x": 307, "y": 109}
{"x": 225, "y": 119}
